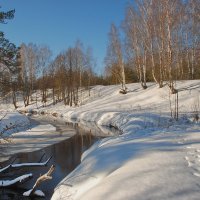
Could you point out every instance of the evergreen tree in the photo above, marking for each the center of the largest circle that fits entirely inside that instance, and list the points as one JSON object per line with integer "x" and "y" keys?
{"x": 8, "y": 51}
{"x": 9, "y": 59}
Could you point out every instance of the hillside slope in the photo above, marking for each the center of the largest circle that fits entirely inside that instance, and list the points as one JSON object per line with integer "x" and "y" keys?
{"x": 155, "y": 158}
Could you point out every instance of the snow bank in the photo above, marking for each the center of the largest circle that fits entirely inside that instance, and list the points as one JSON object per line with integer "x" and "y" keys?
{"x": 156, "y": 157}
{"x": 106, "y": 106}
{"x": 137, "y": 167}
{"x": 12, "y": 122}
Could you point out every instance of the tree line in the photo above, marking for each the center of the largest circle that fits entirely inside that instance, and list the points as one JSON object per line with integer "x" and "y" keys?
{"x": 161, "y": 43}
{"x": 30, "y": 72}
{"x": 66, "y": 75}
{"x": 158, "y": 40}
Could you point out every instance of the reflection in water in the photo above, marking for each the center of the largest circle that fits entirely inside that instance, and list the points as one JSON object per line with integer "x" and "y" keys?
{"x": 66, "y": 156}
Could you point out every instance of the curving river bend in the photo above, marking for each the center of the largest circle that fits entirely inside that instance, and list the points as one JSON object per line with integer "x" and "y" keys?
{"x": 66, "y": 154}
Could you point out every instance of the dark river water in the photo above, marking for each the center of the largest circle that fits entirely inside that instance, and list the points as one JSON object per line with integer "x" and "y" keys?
{"x": 66, "y": 155}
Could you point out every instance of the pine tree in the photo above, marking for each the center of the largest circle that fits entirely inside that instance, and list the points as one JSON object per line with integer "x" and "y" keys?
{"x": 9, "y": 60}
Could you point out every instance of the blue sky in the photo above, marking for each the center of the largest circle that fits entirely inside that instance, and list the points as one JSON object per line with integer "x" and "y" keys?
{"x": 59, "y": 23}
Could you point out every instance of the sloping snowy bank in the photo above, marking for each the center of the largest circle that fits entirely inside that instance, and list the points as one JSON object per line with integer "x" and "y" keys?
{"x": 105, "y": 106}
{"x": 19, "y": 134}
{"x": 128, "y": 167}
{"x": 155, "y": 158}
{"x": 12, "y": 122}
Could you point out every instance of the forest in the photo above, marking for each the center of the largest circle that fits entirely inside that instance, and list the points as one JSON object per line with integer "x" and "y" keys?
{"x": 158, "y": 40}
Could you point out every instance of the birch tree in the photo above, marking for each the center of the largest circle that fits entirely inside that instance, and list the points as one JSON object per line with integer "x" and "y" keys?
{"x": 136, "y": 47}
{"x": 115, "y": 56}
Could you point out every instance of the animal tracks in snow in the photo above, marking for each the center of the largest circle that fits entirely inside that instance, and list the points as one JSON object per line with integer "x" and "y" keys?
{"x": 193, "y": 159}
{"x": 193, "y": 156}
{"x": 190, "y": 164}
{"x": 196, "y": 174}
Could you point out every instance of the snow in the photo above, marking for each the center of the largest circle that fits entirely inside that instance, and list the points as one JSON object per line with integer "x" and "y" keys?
{"x": 38, "y": 193}
{"x": 30, "y": 164}
{"x": 28, "y": 135}
{"x": 24, "y": 165}
{"x": 155, "y": 158}
{"x": 148, "y": 167}
{"x": 14, "y": 119}
{"x": 5, "y": 183}
{"x": 148, "y": 160}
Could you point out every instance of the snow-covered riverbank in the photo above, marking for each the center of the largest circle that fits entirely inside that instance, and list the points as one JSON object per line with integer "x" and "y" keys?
{"x": 30, "y": 134}
{"x": 161, "y": 166}
{"x": 155, "y": 158}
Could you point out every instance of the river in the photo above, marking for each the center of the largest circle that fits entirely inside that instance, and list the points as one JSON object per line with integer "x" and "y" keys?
{"x": 67, "y": 144}
{"x": 66, "y": 155}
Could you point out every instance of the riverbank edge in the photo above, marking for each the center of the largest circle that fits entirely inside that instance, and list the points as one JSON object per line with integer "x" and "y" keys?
{"x": 34, "y": 124}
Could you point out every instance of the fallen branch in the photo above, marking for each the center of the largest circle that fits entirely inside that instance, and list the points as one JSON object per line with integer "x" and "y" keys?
{"x": 2, "y": 117}
{"x": 15, "y": 166}
{"x": 41, "y": 179}
{"x": 20, "y": 179}
{"x": 7, "y": 128}
{"x": 8, "y": 137}
{"x": 41, "y": 157}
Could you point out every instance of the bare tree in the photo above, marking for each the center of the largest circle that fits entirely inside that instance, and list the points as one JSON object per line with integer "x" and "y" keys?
{"x": 135, "y": 44}
{"x": 43, "y": 59}
{"x": 163, "y": 35}
{"x": 115, "y": 56}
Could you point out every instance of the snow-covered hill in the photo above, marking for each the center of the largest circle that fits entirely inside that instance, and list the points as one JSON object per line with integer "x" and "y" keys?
{"x": 137, "y": 109}
{"x": 155, "y": 158}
